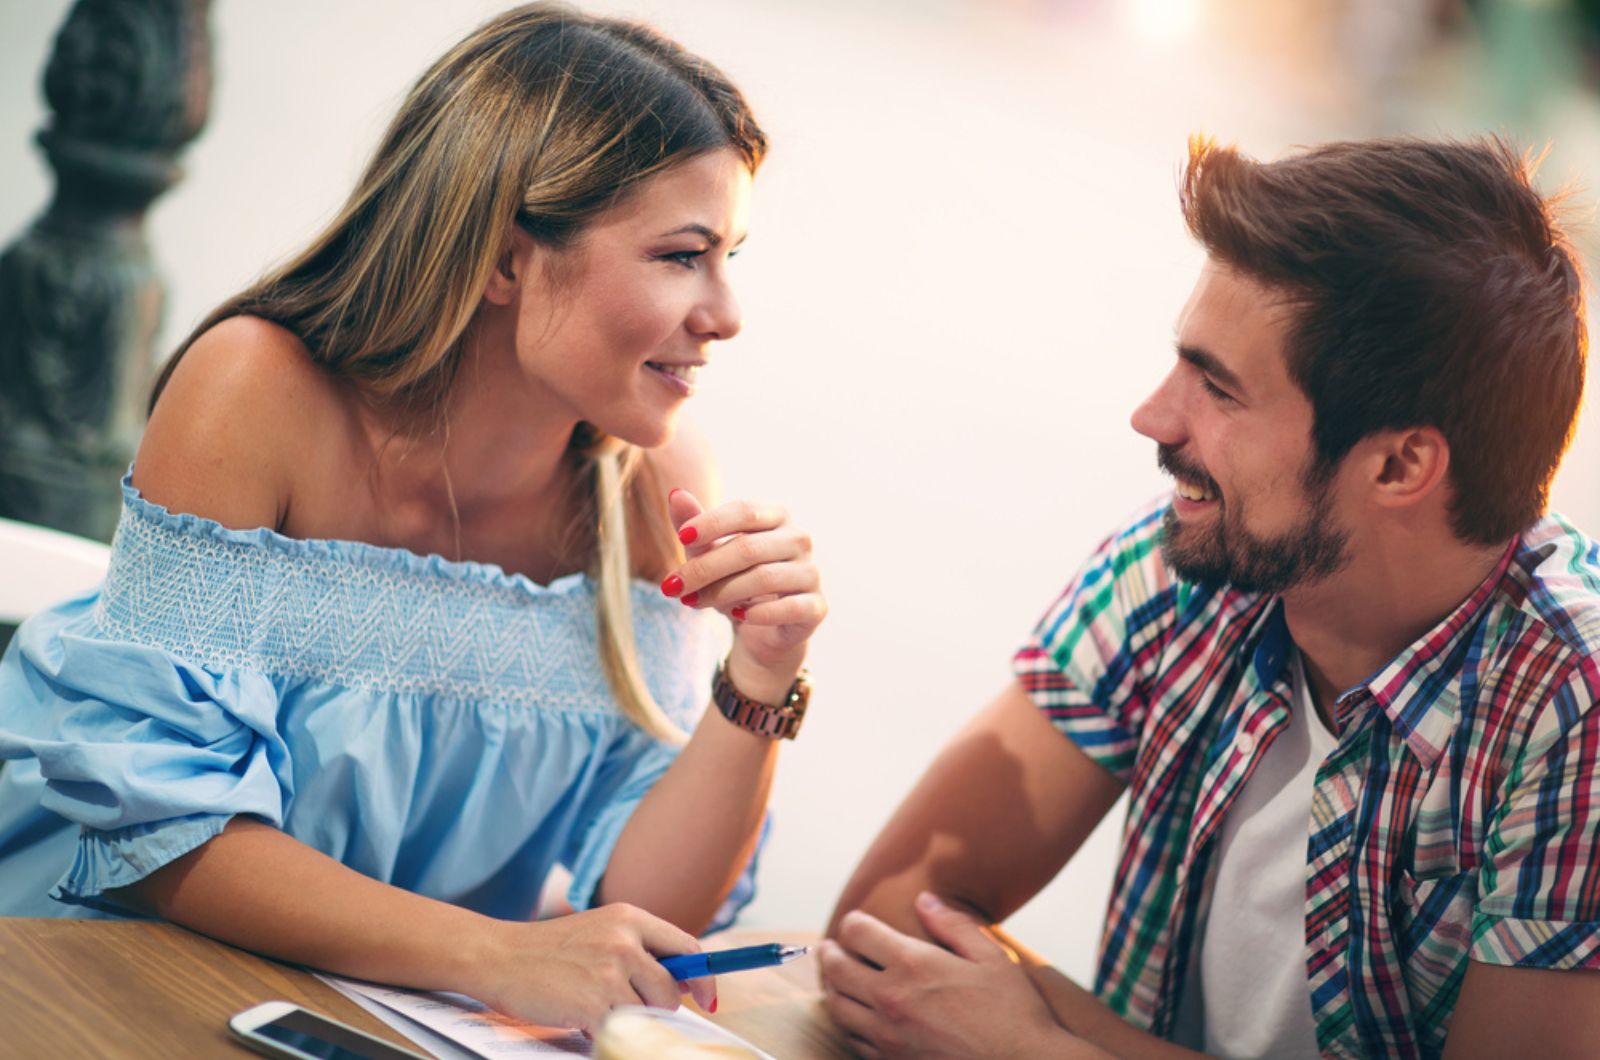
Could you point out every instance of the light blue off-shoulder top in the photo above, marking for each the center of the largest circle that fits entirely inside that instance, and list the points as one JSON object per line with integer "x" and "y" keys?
{"x": 441, "y": 726}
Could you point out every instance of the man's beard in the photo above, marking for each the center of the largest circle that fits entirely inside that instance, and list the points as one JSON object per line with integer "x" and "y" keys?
{"x": 1224, "y": 552}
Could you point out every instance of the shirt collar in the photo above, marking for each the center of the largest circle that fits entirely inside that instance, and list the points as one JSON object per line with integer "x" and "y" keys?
{"x": 1420, "y": 689}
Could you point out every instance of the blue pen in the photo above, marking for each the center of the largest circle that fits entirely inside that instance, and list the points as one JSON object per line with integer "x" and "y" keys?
{"x": 694, "y": 965}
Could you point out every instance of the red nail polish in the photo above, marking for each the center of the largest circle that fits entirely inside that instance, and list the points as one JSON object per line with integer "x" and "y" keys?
{"x": 713, "y": 1008}
{"x": 688, "y": 534}
{"x": 690, "y": 598}
{"x": 672, "y": 585}
{"x": 738, "y": 614}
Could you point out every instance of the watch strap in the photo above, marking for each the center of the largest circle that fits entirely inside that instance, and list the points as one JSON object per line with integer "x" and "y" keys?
{"x": 780, "y": 722}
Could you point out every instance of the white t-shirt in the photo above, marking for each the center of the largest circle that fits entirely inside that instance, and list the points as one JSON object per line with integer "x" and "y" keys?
{"x": 1246, "y": 993}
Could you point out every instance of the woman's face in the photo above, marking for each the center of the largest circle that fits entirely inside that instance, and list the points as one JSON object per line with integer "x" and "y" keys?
{"x": 619, "y": 337}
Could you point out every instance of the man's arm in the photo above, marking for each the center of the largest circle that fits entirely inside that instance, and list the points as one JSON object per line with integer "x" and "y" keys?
{"x": 993, "y": 820}
{"x": 1001, "y": 809}
{"x": 1506, "y": 1011}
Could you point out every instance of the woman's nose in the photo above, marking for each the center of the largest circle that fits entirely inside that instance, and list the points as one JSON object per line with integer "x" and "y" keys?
{"x": 717, "y": 316}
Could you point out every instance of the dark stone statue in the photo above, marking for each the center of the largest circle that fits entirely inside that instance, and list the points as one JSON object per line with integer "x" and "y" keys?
{"x": 128, "y": 84}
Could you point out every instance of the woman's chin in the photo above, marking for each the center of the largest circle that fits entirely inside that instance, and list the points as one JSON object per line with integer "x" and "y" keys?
{"x": 646, "y": 434}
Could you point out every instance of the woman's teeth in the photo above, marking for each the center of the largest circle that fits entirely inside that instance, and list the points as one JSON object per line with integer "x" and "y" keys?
{"x": 1190, "y": 491}
{"x": 686, "y": 372}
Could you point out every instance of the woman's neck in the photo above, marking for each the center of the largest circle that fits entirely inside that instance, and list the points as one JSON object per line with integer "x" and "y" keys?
{"x": 492, "y": 470}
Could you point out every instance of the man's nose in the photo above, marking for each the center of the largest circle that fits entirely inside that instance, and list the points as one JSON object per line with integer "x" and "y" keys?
{"x": 1159, "y": 416}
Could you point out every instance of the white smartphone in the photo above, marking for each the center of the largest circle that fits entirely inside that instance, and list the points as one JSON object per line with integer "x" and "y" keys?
{"x": 281, "y": 1028}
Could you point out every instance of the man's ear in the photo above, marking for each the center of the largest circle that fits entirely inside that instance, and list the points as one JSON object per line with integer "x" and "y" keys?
{"x": 1406, "y": 466}
{"x": 506, "y": 278}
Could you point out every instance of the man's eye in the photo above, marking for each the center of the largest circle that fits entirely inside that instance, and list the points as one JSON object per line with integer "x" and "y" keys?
{"x": 1214, "y": 390}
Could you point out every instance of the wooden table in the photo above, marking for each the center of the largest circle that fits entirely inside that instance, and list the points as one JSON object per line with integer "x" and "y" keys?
{"x": 149, "y": 989}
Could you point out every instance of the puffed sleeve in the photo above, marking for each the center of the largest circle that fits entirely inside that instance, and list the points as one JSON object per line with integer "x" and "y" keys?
{"x": 1539, "y": 886}
{"x": 1085, "y": 664}
{"x": 149, "y": 754}
{"x": 632, "y": 765}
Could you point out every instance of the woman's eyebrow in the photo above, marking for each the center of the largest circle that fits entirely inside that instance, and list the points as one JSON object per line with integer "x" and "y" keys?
{"x": 694, "y": 228}
{"x": 711, "y": 236}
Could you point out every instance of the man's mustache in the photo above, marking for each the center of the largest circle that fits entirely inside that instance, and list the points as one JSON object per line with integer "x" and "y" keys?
{"x": 1168, "y": 460}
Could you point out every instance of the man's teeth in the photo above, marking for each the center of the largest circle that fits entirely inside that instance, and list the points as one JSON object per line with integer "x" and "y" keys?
{"x": 686, "y": 372}
{"x": 1189, "y": 491}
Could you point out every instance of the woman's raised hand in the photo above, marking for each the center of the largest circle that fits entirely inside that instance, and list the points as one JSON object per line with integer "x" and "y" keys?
{"x": 747, "y": 561}
{"x": 571, "y": 970}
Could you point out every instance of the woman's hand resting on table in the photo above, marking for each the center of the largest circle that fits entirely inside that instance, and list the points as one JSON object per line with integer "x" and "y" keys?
{"x": 747, "y": 561}
{"x": 571, "y": 970}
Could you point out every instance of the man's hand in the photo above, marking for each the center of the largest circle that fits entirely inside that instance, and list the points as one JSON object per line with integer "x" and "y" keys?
{"x": 897, "y": 996}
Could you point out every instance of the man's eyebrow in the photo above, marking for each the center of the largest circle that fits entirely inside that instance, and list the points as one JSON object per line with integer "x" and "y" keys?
{"x": 712, "y": 237}
{"x": 1208, "y": 363}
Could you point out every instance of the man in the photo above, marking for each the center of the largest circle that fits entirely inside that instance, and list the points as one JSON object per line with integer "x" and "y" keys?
{"x": 1345, "y": 675}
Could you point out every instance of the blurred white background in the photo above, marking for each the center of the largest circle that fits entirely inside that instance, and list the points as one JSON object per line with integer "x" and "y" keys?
{"x": 964, "y": 268}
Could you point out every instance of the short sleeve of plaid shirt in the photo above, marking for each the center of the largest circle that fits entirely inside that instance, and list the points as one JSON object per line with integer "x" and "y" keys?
{"x": 1088, "y": 664}
{"x": 1539, "y": 883}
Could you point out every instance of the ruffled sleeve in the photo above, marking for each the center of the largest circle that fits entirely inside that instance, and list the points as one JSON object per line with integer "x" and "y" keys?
{"x": 151, "y": 755}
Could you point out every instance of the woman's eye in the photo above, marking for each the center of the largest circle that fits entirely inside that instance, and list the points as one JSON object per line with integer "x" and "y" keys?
{"x": 686, "y": 258}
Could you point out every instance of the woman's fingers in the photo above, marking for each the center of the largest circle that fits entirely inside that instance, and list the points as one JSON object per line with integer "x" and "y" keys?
{"x": 768, "y": 581}
{"x": 655, "y": 986}
{"x": 735, "y": 517}
{"x": 804, "y": 609}
{"x": 682, "y": 506}
{"x": 744, "y": 552}
{"x": 665, "y": 940}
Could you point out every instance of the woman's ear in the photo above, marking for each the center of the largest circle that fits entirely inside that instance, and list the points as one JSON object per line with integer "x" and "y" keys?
{"x": 1408, "y": 465}
{"x": 506, "y": 278}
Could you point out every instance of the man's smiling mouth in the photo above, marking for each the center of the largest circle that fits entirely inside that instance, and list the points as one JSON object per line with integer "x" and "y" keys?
{"x": 1193, "y": 491}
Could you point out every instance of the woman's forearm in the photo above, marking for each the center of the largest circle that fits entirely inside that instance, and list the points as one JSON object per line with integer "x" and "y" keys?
{"x": 692, "y": 835}
{"x": 258, "y": 888}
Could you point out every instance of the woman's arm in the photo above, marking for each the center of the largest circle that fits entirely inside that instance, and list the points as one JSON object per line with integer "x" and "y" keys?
{"x": 684, "y": 847}
{"x": 256, "y": 887}
{"x": 693, "y": 833}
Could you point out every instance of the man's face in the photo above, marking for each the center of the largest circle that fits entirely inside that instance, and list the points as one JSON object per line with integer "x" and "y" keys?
{"x": 1252, "y": 508}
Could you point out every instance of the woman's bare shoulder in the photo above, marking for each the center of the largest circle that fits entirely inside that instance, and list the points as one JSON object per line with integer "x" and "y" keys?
{"x": 244, "y": 413}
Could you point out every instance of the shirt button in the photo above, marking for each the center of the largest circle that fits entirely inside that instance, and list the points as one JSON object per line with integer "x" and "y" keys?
{"x": 1246, "y": 743}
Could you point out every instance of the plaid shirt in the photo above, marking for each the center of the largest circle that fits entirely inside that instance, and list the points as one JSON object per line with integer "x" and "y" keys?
{"x": 1458, "y": 818}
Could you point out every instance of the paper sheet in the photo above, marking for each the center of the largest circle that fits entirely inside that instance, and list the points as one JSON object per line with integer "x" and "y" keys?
{"x": 468, "y": 1023}
{"x": 469, "y": 1029}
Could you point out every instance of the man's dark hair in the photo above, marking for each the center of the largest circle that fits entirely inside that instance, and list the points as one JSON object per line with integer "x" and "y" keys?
{"x": 1430, "y": 286}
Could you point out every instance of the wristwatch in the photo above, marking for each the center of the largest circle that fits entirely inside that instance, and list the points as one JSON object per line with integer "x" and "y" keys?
{"x": 782, "y": 721}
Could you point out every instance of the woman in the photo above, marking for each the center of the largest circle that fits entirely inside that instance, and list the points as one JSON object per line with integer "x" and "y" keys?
{"x": 286, "y": 721}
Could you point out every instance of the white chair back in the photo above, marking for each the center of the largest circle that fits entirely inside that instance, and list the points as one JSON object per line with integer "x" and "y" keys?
{"x": 40, "y": 567}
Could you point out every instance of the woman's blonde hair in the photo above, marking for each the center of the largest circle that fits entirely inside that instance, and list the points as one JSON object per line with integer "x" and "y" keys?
{"x": 543, "y": 118}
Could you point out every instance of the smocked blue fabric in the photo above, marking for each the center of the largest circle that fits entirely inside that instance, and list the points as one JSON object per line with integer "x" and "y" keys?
{"x": 441, "y": 726}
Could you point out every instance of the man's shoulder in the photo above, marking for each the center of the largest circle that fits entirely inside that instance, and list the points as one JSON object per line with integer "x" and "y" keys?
{"x": 1541, "y": 634}
{"x": 1555, "y": 572}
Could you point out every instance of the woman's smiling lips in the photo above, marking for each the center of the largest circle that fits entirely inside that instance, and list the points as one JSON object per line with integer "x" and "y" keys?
{"x": 680, "y": 376}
